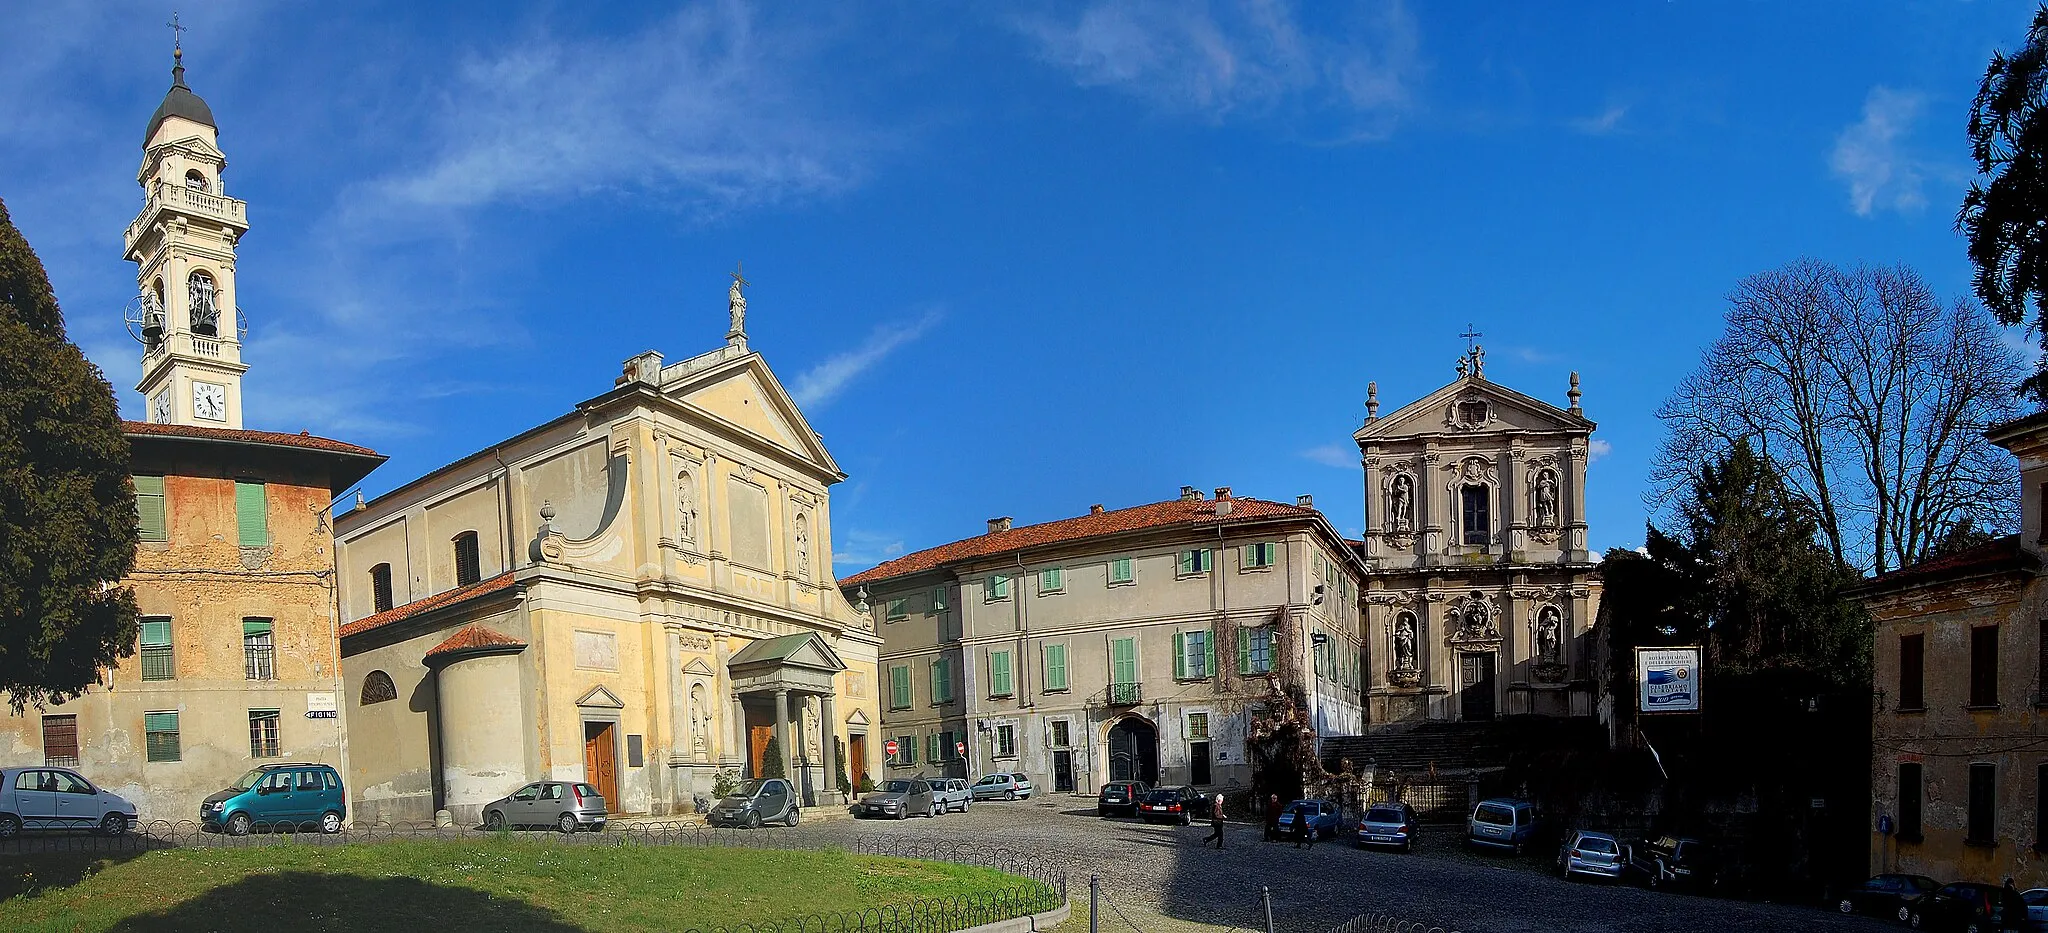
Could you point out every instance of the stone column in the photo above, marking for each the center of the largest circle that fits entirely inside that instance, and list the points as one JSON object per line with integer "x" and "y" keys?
{"x": 737, "y": 752}
{"x": 782, "y": 736}
{"x": 829, "y": 724}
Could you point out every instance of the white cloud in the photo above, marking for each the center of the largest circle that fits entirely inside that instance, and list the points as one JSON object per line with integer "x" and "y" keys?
{"x": 1237, "y": 55}
{"x": 1342, "y": 456}
{"x": 818, "y": 385}
{"x": 864, "y": 549}
{"x": 1603, "y": 123}
{"x": 1868, "y": 155}
{"x": 1597, "y": 448}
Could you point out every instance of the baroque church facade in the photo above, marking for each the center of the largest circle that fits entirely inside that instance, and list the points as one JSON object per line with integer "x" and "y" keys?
{"x": 1480, "y": 593}
{"x": 636, "y": 594}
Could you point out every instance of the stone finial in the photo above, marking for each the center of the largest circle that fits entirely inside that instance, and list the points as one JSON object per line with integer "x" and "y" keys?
{"x": 547, "y": 512}
{"x": 1372, "y": 401}
{"x": 1574, "y": 394}
{"x": 860, "y": 604}
{"x": 360, "y": 504}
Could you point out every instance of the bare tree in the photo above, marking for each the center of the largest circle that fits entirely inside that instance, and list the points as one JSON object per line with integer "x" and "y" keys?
{"x": 1869, "y": 394}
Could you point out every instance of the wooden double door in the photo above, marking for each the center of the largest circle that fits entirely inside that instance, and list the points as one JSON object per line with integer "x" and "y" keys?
{"x": 1476, "y": 680}
{"x": 601, "y": 760}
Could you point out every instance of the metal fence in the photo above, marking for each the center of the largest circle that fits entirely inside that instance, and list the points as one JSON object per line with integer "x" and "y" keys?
{"x": 1387, "y": 923}
{"x": 1040, "y": 884}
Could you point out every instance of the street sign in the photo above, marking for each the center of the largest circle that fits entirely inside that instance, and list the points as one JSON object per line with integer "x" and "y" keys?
{"x": 960, "y": 748}
{"x": 890, "y": 748}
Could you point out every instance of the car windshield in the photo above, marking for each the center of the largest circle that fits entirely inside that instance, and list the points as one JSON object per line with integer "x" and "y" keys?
{"x": 1383, "y": 815}
{"x": 896, "y": 787}
{"x": 995, "y": 779}
{"x": 1305, "y": 805}
{"x": 1494, "y": 815}
{"x": 2036, "y": 897}
{"x": 749, "y": 789}
{"x": 1597, "y": 845}
{"x": 246, "y": 781}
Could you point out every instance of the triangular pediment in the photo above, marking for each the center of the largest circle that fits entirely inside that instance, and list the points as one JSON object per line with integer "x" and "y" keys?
{"x": 697, "y": 666}
{"x": 803, "y": 650}
{"x": 744, "y": 393}
{"x": 857, "y": 719}
{"x": 1437, "y": 414}
{"x": 601, "y": 698}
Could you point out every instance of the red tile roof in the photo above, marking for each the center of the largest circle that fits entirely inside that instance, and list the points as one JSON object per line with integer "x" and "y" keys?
{"x": 1995, "y": 554}
{"x": 275, "y": 438}
{"x": 472, "y": 637}
{"x": 1188, "y": 512}
{"x": 481, "y": 587}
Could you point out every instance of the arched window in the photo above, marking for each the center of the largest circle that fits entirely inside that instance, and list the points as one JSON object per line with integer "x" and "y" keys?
{"x": 468, "y": 570}
{"x": 1477, "y": 514}
{"x": 196, "y": 181}
{"x": 205, "y": 307}
{"x": 1472, "y": 412}
{"x": 378, "y": 687}
{"x": 380, "y": 587}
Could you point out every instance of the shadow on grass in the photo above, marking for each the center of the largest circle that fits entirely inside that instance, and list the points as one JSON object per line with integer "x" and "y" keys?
{"x": 304, "y": 901}
{"x": 23, "y": 875}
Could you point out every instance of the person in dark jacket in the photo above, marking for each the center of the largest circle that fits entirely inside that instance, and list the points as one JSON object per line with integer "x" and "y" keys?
{"x": 1273, "y": 810}
{"x": 1215, "y": 822}
{"x": 2012, "y": 908}
{"x": 1304, "y": 828}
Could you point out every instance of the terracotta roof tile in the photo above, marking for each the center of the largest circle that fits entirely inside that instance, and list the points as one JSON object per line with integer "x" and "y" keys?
{"x": 473, "y": 636}
{"x": 1189, "y": 512}
{"x": 396, "y": 613}
{"x": 1991, "y": 555}
{"x": 276, "y": 438}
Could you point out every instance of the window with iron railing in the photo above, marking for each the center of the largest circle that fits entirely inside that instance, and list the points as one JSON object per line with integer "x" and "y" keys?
{"x": 157, "y": 660}
{"x": 263, "y": 733}
{"x": 60, "y": 741}
{"x": 259, "y": 656}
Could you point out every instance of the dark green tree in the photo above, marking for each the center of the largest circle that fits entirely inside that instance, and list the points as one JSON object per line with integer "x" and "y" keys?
{"x": 772, "y": 765}
{"x": 2005, "y": 215}
{"x": 67, "y": 509}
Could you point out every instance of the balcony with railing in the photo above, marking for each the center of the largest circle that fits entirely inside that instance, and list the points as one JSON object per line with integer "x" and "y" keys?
{"x": 164, "y": 196}
{"x": 1116, "y": 695}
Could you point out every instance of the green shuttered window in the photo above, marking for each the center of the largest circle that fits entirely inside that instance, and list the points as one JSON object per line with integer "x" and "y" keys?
{"x": 899, "y": 686}
{"x": 942, "y": 681}
{"x": 157, "y": 660}
{"x": 999, "y": 587}
{"x": 1196, "y": 561}
{"x": 252, "y": 514}
{"x": 149, "y": 508}
{"x": 1120, "y": 570}
{"x": 1052, "y": 580}
{"x": 999, "y": 674}
{"x": 1055, "y": 667}
{"x": 1193, "y": 656}
{"x": 1259, "y": 555}
{"x": 160, "y": 735}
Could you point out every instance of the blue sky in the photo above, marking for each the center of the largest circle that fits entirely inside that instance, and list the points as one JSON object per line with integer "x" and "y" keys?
{"x": 1014, "y": 260}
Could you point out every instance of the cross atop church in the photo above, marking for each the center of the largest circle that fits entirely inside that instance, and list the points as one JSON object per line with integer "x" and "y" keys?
{"x": 737, "y": 278}
{"x": 1474, "y": 360}
{"x": 1471, "y": 334}
{"x": 177, "y": 33}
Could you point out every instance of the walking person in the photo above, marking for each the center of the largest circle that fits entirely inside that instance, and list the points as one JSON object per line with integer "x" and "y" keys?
{"x": 1303, "y": 830}
{"x": 1215, "y": 822}
{"x": 2012, "y": 908}
{"x": 1272, "y": 817}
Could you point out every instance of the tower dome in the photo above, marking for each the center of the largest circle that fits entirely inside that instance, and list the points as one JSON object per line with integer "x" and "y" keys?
{"x": 179, "y": 102}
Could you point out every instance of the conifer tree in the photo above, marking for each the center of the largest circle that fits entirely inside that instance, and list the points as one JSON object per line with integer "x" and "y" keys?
{"x": 67, "y": 509}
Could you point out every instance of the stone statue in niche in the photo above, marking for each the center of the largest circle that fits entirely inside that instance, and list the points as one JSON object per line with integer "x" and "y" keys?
{"x": 1546, "y": 499}
{"x": 1401, "y": 504}
{"x": 1404, "y": 643}
{"x": 1549, "y": 635}
{"x": 700, "y": 723}
{"x": 811, "y": 731}
{"x": 803, "y": 546}
{"x": 686, "y": 507}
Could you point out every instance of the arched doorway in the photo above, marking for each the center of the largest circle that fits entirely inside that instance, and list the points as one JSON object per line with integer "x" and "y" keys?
{"x": 1134, "y": 751}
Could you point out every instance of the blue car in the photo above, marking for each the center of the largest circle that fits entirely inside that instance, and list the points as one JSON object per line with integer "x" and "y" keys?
{"x": 1501, "y": 823}
{"x": 1322, "y": 815}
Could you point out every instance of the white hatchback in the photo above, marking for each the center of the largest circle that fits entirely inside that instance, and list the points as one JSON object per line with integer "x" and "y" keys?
{"x": 1012, "y": 786}
{"x": 59, "y": 798}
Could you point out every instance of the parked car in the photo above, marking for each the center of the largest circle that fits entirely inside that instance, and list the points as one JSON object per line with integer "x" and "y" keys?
{"x": 59, "y": 798}
{"x": 1172, "y": 805}
{"x": 1592, "y": 855}
{"x": 767, "y": 800}
{"x": 1323, "y": 816}
{"x": 565, "y": 805}
{"x": 1012, "y": 786}
{"x": 952, "y": 793}
{"x": 1388, "y": 824}
{"x": 1501, "y": 823}
{"x": 1965, "y": 905}
{"x": 1672, "y": 860}
{"x": 1120, "y": 797}
{"x": 898, "y": 799}
{"x": 1887, "y": 895}
{"x": 286, "y": 796}
{"x": 2037, "y": 907}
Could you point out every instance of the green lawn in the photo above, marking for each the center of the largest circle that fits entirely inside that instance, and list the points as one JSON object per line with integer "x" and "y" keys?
{"x": 454, "y": 887}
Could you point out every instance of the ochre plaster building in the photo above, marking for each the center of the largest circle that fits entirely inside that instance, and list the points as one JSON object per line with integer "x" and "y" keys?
{"x": 1959, "y": 769}
{"x": 238, "y": 661}
{"x": 637, "y": 594}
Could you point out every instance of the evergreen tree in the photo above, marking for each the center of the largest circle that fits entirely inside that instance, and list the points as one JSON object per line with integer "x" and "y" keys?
{"x": 67, "y": 510}
{"x": 772, "y": 765}
{"x": 2006, "y": 218}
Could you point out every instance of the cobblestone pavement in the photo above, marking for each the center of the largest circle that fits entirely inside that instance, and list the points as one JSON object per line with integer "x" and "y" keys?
{"x": 1161, "y": 879}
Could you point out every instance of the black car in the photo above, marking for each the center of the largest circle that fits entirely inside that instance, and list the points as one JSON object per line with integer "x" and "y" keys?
{"x": 1171, "y": 805}
{"x": 1120, "y": 797}
{"x": 1677, "y": 861}
{"x": 1965, "y": 906}
{"x": 1886, "y": 896}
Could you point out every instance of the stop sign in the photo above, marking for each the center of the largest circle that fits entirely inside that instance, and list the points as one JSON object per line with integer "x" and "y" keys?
{"x": 889, "y": 748}
{"x": 960, "y": 747}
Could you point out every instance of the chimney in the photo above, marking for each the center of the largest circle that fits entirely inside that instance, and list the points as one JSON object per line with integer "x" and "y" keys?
{"x": 1306, "y": 502}
{"x": 1222, "y": 492}
{"x": 1190, "y": 494}
{"x": 1224, "y": 507}
{"x": 1095, "y": 509}
{"x": 359, "y": 500}
{"x": 999, "y": 524}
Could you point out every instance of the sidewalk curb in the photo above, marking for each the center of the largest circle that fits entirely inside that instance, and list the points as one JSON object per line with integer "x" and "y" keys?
{"x": 1041, "y": 921}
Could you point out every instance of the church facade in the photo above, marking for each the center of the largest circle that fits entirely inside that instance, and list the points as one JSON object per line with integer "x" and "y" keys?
{"x": 1480, "y": 592}
{"x": 636, "y": 594}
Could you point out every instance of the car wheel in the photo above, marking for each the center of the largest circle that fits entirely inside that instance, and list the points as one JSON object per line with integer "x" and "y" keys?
{"x": 494, "y": 821}
{"x": 903, "y": 814}
{"x": 1101, "y": 813}
{"x": 238, "y": 825}
{"x": 1009, "y": 795}
{"x": 1916, "y": 921}
{"x": 1656, "y": 880}
{"x": 793, "y": 817}
{"x": 113, "y": 824}
{"x": 1905, "y": 913}
{"x": 10, "y": 826}
{"x": 330, "y": 822}
{"x": 753, "y": 820}
{"x": 567, "y": 823}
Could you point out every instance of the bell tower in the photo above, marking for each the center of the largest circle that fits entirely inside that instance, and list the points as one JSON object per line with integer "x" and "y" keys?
{"x": 183, "y": 245}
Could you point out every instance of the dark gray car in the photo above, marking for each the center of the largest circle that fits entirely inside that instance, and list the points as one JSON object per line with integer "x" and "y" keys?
{"x": 770, "y": 800}
{"x": 564, "y": 805}
{"x": 898, "y": 799}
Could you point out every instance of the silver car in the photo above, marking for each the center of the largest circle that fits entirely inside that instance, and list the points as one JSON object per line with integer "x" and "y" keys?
{"x": 59, "y": 798}
{"x": 899, "y": 799}
{"x": 768, "y": 800}
{"x": 564, "y": 805}
{"x": 1594, "y": 855}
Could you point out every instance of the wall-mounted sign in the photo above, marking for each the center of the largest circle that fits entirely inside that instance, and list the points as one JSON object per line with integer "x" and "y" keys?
{"x": 960, "y": 748}
{"x": 890, "y": 748}
{"x": 321, "y": 706}
{"x": 1668, "y": 680}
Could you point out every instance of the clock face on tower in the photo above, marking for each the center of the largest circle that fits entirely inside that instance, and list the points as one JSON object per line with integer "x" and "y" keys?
{"x": 210, "y": 401}
{"x": 160, "y": 407}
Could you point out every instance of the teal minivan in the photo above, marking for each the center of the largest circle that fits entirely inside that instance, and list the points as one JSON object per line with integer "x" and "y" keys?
{"x": 285, "y": 796}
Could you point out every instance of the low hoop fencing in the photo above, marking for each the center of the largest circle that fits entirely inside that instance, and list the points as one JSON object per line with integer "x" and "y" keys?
{"x": 1387, "y": 923}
